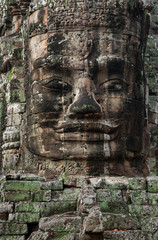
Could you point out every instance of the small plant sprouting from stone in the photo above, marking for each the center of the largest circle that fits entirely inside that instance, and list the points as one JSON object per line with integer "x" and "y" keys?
{"x": 65, "y": 3}
{"x": 10, "y": 74}
{"x": 63, "y": 176}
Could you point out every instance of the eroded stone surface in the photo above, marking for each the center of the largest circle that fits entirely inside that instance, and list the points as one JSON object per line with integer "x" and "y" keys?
{"x": 73, "y": 88}
{"x": 75, "y": 106}
{"x": 78, "y": 213}
{"x": 84, "y": 84}
{"x": 61, "y": 223}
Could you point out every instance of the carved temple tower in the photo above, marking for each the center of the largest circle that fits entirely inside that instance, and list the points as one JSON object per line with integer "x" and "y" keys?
{"x": 78, "y": 120}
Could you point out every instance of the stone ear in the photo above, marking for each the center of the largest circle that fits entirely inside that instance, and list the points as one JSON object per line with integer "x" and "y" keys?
{"x": 146, "y": 29}
{"x": 88, "y": 46}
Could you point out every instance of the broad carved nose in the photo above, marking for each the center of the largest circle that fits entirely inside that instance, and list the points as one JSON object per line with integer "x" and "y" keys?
{"x": 85, "y": 101}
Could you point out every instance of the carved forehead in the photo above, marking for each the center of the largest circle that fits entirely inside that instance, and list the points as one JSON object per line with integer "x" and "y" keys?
{"x": 78, "y": 30}
{"x": 76, "y": 43}
{"x": 114, "y": 15}
{"x": 107, "y": 13}
{"x": 93, "y": 45}
{"x": 107, "y": 26}
{"x": 70, "y": 49}
{"x": 80, "y": 41}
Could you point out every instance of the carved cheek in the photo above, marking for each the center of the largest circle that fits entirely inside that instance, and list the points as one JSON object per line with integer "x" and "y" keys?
{"x": 47, "y": 103}
{"x": 35, "y": 88}
{"x": 115, "y": 105}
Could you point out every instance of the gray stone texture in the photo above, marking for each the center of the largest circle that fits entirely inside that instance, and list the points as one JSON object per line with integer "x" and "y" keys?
{"x": 79, "y": 120}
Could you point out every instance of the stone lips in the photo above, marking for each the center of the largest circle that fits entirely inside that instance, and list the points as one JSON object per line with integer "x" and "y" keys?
{"x": 86, "y": 131}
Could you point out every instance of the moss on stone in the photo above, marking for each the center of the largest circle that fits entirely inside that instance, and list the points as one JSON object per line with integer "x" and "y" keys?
{"x": 22, "y": 186}
{"x": 17, "y": 196}
{"x": 26, "y": 217}
{"x": 27, "y": 207}
{"x": 114, "y": 207}
{"x": 137, "y": 183}
{"x": 152, "y": 184}
{"x": 13, "y": 229}
{"x": 41, "y": 196}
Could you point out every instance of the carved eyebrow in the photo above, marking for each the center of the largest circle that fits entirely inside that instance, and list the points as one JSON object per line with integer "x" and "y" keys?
{"x": 51, "y": 79}
{"x": 52, "y": 61}
{"x": 113, "y": 80}
{"x": 59, "y": 62}
{"x": 38, "y": 63}
{"x": 113, "y": 66}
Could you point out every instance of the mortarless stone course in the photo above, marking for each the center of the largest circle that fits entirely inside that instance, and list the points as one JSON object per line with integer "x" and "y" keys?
{"x": 41, "y": 196}
{"x": 21, "y": 186}
{"x": 152, "y": 183}
{"x": 24, "y": 217}
{"x": 78, "y": 212}
{"x": 13, "y": 228}
{"x": 52, "y": 185}
{"x": 30, "y": 207}
{"x": 137, "y": 184}
{"x": 9, "y": 237}
{"x": 17, "y": 196}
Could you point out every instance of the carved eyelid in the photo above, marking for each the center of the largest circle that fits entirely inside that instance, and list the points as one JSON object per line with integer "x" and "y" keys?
{"x": 112, "y": 81}
{"x": 56, "y": 84}
{"x": 45, "y": 82}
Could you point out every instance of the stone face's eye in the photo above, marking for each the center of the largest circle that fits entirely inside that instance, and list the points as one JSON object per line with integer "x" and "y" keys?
{"x": 114, "y": 87}
{"x": 57, "y": 85}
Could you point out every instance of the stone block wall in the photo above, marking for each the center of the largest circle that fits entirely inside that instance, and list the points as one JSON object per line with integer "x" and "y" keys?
{"x": 78, "y": 208}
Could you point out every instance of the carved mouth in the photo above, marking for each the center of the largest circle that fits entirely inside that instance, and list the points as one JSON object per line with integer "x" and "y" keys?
{"x": 97, "y": 127}
{"x": 85, "y": 137}
{"x": 86, "y": 131}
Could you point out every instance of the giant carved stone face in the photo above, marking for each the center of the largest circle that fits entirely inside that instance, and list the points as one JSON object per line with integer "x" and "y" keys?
{"x": 85, "y": 91}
